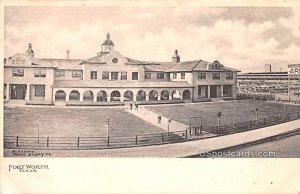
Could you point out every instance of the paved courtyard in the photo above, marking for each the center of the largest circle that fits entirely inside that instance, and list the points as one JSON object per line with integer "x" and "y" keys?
{"x": 73, "y": 122}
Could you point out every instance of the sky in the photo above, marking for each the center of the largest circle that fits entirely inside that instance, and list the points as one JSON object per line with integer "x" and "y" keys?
{"x": 244, "y": 38}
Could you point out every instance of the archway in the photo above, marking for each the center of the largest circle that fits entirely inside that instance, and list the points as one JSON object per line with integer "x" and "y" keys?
{"x": 153, "y": 95}
{"x": 186, "y": 94}
{"x": 176, "y": 95}
{"x": 128, "y": 96}
{"x": 74, "y": 95}
{"x": 115, "y": 96}
{"x": 165, "y": 95}
{"x": 60, "y": 95}
{"x": 141, "y": 95}
{"x": 101, "y": 96}
{"x": 88, "y": 96}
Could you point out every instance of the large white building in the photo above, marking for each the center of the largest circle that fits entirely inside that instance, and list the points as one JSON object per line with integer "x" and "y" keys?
{"x": 110, "y": 76}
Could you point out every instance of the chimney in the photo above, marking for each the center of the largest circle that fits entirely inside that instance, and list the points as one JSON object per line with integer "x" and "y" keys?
{"x": 268, "y": 68}
{"x": 68, "y": 54}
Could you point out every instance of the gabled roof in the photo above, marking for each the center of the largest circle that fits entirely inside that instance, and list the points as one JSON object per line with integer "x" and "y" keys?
{"x": 183, "y": 66}
{"x": 60, "y": 63}
{"x": 96, "y": 59}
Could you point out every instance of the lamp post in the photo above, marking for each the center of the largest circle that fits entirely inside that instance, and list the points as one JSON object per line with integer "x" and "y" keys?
{"x": 38, "y": 125}
{"x": 219, "y": 116}
{"x": 169, "y": 121}
{"x": 256, "y": 112}
{"x": 201, "y": 124}
{"x": 107, "y": 125}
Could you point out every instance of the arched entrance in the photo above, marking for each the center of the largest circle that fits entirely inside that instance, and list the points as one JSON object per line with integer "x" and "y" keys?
{"x": 74, "y": 95}
{"x": 186, "y": 94}
{"x": 141, "y": 95}
{"x": 115, "y": 96}
{"x": 153, "y": 95}
{"x": 60, "y": 95}
{"x": 88, "y": 96}
{"x": 165, "y": 95}
{"x": 101, "y": 96}
{"x": 175, "y": 95}
{"x": 128, "y": 96}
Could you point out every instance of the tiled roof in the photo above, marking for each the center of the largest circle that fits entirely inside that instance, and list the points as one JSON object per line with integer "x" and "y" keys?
{"x": 59, "y": 63}
{"x": 183, "y": 66}
{"x": 96, "y": 59}
{"x": 118, "y": 84}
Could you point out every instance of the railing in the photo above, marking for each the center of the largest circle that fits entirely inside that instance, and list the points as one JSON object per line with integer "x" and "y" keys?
{"x": 195, "y": 132}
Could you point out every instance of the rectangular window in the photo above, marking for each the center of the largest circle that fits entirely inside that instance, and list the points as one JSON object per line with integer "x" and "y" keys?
{"x": 229, "y": 75}
{"x": 216, "y": 75}
{"x": 105, "y": 75}
{"x": 76, "y": 74}
{"x": 39, "y": 90}
{"x": 182, "y": 75}
{"x": 147, "y": 75}
{"x": 135, "y": 75}
{"x": 93, "y": 74}
{"x": 114, "y": 75}
{"x": 18, "y": 72}
{"x": 60, "y": 73}
{"x": 201, "y": 75}
{"x": 160, "y": 76}
{"x": 40, "y": 73}
{"x": 174, "y": 75}
{"x": 123, "y": 75}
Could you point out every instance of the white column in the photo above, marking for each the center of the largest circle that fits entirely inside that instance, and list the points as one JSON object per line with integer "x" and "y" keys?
{"x": 108, "y": 98}
{"x": 81, "y": 97}
{"x": 67, "y": 97}
{"x": 208, "y": 91}
{"x": 122, "y": 98}
{"x": 170, "y": 96}
{"x": 95, "y": 97}
{"x": 222, "y": 91}
{"x": 7, "y": 91}
{"x": 134, "y": 98}
{"x": 27, "y": 92}
{"x": 158, "y": 97}
{"x": 181, "y": 96}
{"x": 147, "y": 97}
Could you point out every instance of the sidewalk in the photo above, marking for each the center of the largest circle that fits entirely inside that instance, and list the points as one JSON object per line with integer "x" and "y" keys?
{"x": 152, "y": 117}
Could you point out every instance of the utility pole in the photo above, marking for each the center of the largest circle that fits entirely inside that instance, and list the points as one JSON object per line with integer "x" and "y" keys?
{"x": 107, "y": 125}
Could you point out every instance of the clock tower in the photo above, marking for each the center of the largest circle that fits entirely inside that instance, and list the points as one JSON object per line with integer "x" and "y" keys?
{"x": 107, "y": 45}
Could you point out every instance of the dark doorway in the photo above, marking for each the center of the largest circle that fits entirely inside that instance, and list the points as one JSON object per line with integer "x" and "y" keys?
{"x": 213, "y": 91}
{"x": 18, "y": 91}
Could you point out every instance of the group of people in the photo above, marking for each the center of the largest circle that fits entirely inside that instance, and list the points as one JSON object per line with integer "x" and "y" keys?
{"x": 135, "y": 105}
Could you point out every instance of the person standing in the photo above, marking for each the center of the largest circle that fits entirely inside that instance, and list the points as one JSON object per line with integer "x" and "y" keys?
{"x": 130, "y": 105}
{"x": 159, "y": 119}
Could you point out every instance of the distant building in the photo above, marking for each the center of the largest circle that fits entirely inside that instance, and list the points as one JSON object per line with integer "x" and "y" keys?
{"x": 109, "y": 76}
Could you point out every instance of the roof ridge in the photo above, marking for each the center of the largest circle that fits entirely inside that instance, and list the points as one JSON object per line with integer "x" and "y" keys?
{"x": 196, "y": 65}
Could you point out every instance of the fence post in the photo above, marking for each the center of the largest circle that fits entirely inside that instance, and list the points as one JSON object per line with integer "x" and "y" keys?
{"x": 201, "y": 130}
{"x": 136, "y": 140}
{"x": 17, "y": 141}
{"x": 162, "y": 137}
{"x": 235, "y": 128}
{"x": 47, "y": 142}
{"x": 186, "y": 134}
{"x": 298, "y": 115}
{"x": 264, "y": 121}
{"x": 78, "y": 139}
{"x": 108, "y": 140}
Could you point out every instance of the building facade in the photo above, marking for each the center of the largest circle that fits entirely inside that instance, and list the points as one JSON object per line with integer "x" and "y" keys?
{"x": 109, "y": 76}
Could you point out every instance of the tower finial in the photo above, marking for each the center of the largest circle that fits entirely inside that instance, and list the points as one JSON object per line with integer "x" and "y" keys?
{"x": 108, "y": 35}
